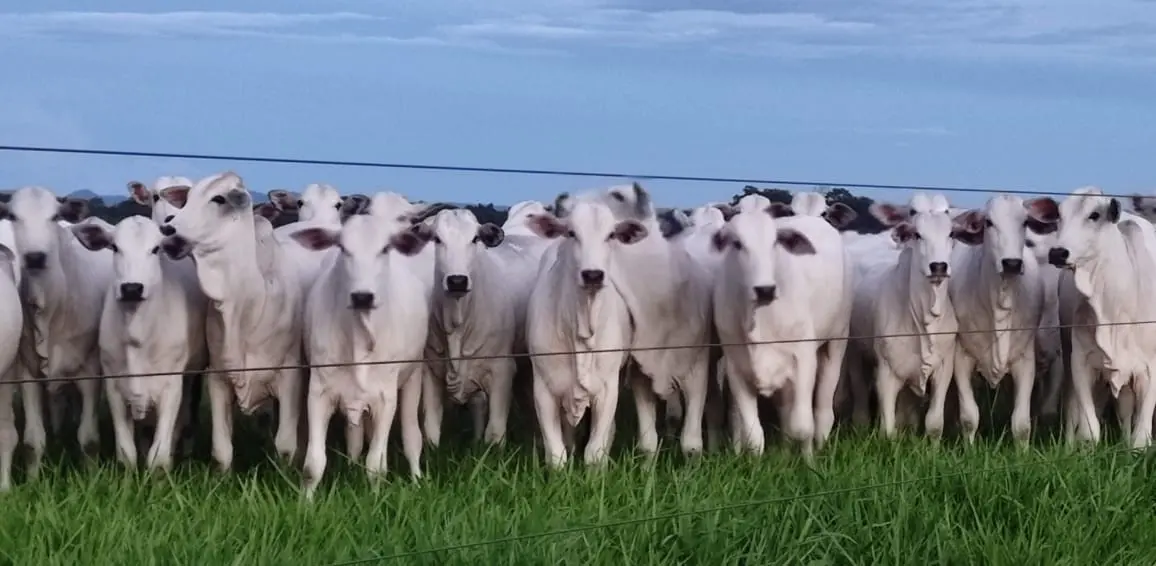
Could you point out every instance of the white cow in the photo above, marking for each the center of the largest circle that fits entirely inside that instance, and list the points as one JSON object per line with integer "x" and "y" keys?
{"x": 993, "y": 291}
{"x": 482, "y": 283}
{"x": 1040, "y": 237}
{"x": 152, "y": 322}
{"x": 517, "y": 215}
{"x": 11, "y": 335}
{"x": 576, "y": 307}
{"x": 1109, "y": 261}
{"x": 255, "y": 318}
{"x": 64, "y": 287}
{"x": 903, "y": 299}
{"x": 670, "y": 306}
{"x": 160, "y": 209}
{"x": 364, "y": 309}
{"x": 766, "y": 292}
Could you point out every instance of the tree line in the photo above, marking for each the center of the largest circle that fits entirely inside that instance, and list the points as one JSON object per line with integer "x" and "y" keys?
{"x": 864, "y": 222}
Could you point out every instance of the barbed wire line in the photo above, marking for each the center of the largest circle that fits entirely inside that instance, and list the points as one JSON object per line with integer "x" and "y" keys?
{"x": 525, "y": 171}
{"x": 725, "y": 508}
{"x": 625, "y": 349}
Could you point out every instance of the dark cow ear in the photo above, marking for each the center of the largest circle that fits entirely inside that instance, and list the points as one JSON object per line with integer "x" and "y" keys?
{"x": 140, "y": 194}
{"x": 969, "y": 227}
{"x": 903, "y": 233}
{"x": 630, "y": 231}
{"x": 546, "y": 225}
{"x": 491, "y": 235}
{"x": 72, "y": 210}
{"x": 1043, "y": 209}
{"x": 888, "y": 214}
{"x": 92, "y": 236}
{"x": 1114, "y": 210}
{"x": 267, "y": 210}
{"x": 839, "y": 215}
{"x": 780, "y": 210}
{"x": 283, "y": 200}
{"x": 316, "y": 239}
{"x": 795, "y": 242}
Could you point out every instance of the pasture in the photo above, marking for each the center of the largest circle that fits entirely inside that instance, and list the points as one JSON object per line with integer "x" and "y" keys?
{"x": 867, "y": 501}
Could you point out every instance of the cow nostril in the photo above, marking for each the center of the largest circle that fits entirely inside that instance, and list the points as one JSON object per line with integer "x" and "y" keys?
{"x": 938, "y": 268}
{"x": 1012, "y": 266}
{"x": 168, "y": 230}
{"x": 765, "y": 294}
{"x": 131, "y": 291}
{"x": 593, "y": 276}
{"x": 457, "y": 283}
{"x": 35, "y": 260}
{"x": 1059, "y": 256}
{"x": 361, "y": 299}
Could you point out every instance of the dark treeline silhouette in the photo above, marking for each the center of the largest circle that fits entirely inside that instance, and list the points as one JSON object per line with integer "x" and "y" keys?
{"x": 864, "y": 222}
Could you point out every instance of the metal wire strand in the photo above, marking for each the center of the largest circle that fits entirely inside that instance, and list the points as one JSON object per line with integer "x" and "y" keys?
{"x": 570, "y": 352}
{"x": 523, "y": 171}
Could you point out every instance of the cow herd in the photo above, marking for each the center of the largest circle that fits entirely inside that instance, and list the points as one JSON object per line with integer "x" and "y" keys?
{"x": 376, "y": 307}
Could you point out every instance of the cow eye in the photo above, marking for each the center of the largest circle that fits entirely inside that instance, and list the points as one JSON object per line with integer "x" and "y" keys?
{"x": 156, "y": 250}
{"x": 1094, "y": 216}
{"x": 156, "y": 197}
{"x": 987, "y": 222}
{"x": 218, "y": 199}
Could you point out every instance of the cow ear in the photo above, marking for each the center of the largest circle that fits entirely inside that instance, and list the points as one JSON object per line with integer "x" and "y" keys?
{"x": 316, "y": 239}
{"x": 795, "y": 242}
{"x": 1114, "y": 210}
{"x": 91, "y": 236}
{"x": 969, "y": 227}
{"x": 410, "y": 242}
{"x": 491, "y": 235}
{"x": 546, "y": 225}
{"x": 888, "y": 214}
{"x": 780, "y": 210}
{"x": 140, "y": 194}
{"x": 268, "y": 211}
{"x": 839, "y": 215}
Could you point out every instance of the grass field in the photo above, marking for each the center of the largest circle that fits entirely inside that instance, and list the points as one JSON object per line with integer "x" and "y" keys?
{"x": 990, "y": 504}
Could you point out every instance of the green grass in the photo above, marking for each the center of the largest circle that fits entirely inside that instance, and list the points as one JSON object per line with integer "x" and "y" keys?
{"x": 1053, "y": 507}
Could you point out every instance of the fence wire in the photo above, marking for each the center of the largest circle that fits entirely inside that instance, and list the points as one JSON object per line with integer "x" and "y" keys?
{"x": 526, "y": 171}
{"x": 625, "y": 349}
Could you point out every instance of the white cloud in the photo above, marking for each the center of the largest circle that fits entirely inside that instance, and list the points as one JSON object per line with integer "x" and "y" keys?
{"x": 1106, "y": 30}
{"x": 1121, "y": 30}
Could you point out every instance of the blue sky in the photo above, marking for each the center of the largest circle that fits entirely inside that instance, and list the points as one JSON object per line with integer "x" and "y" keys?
{"x": 1017, "y": 94}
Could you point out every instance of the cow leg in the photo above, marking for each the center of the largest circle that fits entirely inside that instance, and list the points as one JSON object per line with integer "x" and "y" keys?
{"x": 1083, "y": 378}
{"x": 355, "y": 438}
{"x": 35, "y": 437}
{"x": 500, "y": 395}
{"x": 745, "y": 404}
{"x": 646, "y": 407}
{"x": 603, "y": 409}
{"x": 168, "y": 408}
{"x": 123, "y": 428}
{"x": 221, "y": 414}
{"x": 1126, "y": 411}
{"x": 940, "y": 383}
{"x": 411, "y": 439}
{"x": 694, "y": 389}
{"x": 384, "y": 410}
{"x": 432, "y": 399}
{"x": 476, "y": 405}
{"x": 1142, "y": 431}
{"x": 830, "y": 369}
{"x": 968, "y": 408}
{"x": 9, "y": 438}
{"x": 1023, "y": 371}
{"x": 550, "y": 421}
{"x": 319, "y": 408}
{"x": 714, "y": 412}
{"x": 860, "y": 388}
{"x": 887, "y": 388}
{"x": 288, "y": 392}
{"x": 87, "y": 433}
